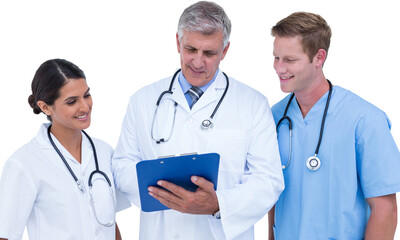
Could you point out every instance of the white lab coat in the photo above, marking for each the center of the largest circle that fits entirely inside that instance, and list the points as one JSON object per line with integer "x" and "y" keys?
{"x": 250, "y": 176}
{"x": 38, "y": 191}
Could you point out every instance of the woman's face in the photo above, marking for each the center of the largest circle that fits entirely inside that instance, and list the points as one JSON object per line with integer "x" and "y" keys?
{"x": 72, "y": 109}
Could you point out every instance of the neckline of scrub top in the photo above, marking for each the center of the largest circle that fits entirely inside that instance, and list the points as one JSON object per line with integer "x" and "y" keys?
{"x": 316, "y": 111}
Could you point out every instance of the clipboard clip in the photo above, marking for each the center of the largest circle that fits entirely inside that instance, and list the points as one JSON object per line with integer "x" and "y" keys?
{"x": 178, "y": 155}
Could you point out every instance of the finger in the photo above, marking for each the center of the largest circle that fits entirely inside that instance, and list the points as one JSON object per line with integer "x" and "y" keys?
{"x": 161, "y": 193}
{"x": 203, "y": 183}
{"x": 175, "y": 189}
{"x": 166, "y": 202}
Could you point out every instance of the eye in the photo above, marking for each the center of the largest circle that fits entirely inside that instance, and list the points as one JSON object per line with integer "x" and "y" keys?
{"x": 87, "y": 95}
{"x": 71, "y": 102}
{"x": 209, "y": 54}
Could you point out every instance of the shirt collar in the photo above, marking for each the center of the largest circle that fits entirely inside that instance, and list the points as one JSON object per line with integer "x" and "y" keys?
{"x": 185, "y": 85}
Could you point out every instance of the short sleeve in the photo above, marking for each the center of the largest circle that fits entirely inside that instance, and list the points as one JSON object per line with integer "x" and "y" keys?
{"x": 18, "y": 194}
{"x": 378, "y": 158}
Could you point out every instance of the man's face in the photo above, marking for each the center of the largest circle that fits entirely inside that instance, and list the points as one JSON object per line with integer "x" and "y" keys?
{"x": 295, "y": 71}
{"x": 200, "y": 56}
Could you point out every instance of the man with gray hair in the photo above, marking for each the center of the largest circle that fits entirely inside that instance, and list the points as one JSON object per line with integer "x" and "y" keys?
{"x": 200, "y": 109}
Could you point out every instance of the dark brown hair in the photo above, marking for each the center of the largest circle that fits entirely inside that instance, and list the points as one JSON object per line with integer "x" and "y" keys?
{"x": 50, "y": 77}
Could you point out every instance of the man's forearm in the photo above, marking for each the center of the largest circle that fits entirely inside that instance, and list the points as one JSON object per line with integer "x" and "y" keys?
{"x": 271, "y": 222}
{"x": 117, "y": 233}
{"x": 383, "y": 219}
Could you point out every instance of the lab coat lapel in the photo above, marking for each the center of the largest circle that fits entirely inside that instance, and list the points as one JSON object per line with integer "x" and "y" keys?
{"x": 87, "y": 154}
{"x": 48, "y": 151}
{"x": 44, "y": 143}
{"x": 178, "y": 95}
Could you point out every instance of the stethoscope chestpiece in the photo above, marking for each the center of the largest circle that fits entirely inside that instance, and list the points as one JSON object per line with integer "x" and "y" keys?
{"x": 313, "y": 163}
{"x": 206, "y": 125}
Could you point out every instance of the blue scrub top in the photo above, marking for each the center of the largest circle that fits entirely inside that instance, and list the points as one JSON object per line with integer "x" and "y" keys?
{"x": 359, "y": 159}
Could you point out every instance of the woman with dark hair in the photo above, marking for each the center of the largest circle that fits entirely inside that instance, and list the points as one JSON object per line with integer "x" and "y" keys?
{"x": 60, "y": 184}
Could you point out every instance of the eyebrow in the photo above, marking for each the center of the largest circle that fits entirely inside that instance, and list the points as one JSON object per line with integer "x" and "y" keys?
{"x": 190, "y": 47}
{"x": 285, "y": 56}
{"x": 75, "y": 97}
{"x": 211, "y": 51}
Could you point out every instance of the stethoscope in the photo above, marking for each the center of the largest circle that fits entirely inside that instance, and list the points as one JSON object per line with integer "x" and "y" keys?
{"x": 90, "y": 182}
{"x": 206, "y": 124}
{"x": 313, "y": 163}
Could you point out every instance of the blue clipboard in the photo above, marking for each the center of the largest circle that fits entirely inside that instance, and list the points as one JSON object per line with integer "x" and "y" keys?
{"x": 177, "y": 170}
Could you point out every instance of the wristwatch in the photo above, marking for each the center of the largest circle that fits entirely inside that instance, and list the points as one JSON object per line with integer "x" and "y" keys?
{"x": 217, "y": 215}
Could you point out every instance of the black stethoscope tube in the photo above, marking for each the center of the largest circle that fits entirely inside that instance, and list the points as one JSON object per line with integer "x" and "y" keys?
{"x": 285, "y": 117}
{"x": 69, "y": 168}
{"x": 111, "y": 222}
{"x": 321, "y": 132}
{"x": 222, "y": 97}
{"x": 206, "y": 124}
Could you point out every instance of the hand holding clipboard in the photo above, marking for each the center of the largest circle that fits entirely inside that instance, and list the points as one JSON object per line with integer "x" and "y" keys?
{"x": 178, "y": 171}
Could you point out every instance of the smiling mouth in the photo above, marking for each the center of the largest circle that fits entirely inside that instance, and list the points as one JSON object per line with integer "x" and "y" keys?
{"x": 286, "y": 78}
{"x": 82, "y": 116}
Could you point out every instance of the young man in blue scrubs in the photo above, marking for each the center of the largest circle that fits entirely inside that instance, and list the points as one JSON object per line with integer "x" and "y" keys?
{"x": 341, "y": 165}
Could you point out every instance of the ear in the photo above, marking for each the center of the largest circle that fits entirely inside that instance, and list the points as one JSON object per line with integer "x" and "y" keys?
{"x": 178, "y": 45}
{"x": 44, "y": 107}
{"x": 320, "y": 58}
{"x": 225, "y": 51}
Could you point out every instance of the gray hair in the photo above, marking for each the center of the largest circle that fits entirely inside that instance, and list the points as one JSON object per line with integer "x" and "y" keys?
{"x": 205, "y": 17}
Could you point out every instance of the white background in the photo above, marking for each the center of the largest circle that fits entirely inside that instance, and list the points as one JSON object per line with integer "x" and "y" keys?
{"x": 124, "y": 45}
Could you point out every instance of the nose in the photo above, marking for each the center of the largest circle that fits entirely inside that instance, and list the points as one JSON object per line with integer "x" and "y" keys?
{"x": 198, "y": 60}
{"x": 85, "y": 105}
{"x": 279, "y": 67}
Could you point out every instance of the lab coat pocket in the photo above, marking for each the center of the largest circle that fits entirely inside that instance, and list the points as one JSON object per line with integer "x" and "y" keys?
{"x": 232, "y": 146}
